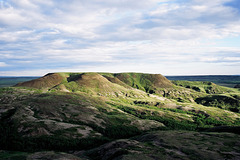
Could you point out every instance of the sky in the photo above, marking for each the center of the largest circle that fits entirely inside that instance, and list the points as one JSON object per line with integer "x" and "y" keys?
{"x": 170, "y": 37}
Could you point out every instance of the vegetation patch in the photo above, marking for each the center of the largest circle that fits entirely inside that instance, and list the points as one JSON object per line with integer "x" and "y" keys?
{"x": 221, "y": 101}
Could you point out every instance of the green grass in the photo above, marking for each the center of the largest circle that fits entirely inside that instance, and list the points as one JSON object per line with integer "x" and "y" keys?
{"x": 199, "y": 120}
{"x": 145, "y": 82}
{"x": 221, "y": 101}
{"x": 205, "y": 87}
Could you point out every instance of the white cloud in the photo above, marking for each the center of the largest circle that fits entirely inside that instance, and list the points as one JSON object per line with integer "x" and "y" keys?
{"x": 11, "y": 17}
{"x": 119, "y": 33}
{"x": 3, "y": 64}
{"x": 15, "y": 35}
{"x": 235, "y": 59}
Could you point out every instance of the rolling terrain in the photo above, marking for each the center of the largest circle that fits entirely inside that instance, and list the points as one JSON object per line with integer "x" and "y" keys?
{"x": 223, "y": 80}
{"x": 118, "y": 116}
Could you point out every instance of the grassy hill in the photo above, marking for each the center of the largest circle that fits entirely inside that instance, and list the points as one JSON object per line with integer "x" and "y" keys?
{"x": 72, "y": 112}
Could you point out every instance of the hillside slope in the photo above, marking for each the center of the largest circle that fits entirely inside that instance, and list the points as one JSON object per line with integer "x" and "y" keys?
{"x": 48, "y": 81}
{"x": 81, "y": 111}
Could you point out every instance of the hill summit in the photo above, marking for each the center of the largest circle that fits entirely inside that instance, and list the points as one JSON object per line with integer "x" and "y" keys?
{"x": 48, "y": 81}
{"x": 99, "y": 82}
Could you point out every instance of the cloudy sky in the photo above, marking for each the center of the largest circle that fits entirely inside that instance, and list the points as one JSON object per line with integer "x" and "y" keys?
{"x": 171, "y": 37}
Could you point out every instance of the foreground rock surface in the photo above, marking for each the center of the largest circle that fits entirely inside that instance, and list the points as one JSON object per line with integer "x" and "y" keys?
{"x": 151, "y": 146}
